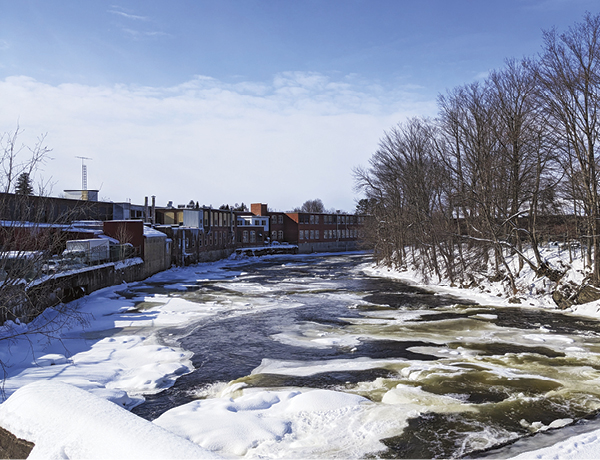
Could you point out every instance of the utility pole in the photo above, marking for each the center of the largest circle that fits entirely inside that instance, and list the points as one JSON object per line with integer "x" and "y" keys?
{"x": 84, "y": 172}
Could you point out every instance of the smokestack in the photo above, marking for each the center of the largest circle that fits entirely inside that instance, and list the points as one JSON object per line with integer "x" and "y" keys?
{"x": 146, "y": 211}
{"x": 153, "y": 210}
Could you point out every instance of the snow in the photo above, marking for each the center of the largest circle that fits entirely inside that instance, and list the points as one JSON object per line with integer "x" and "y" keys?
{"x": 583, "y": 446}
{"x": 534, "y": 291}
{"x": 64, "y": 421}
{"x": 69, "y": 394}
{"x": 153, "y": 233}
{"x": 285, "y": 423}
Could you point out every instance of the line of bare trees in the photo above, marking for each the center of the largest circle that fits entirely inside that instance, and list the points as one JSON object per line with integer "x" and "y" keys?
{"x": 474, "y": 187}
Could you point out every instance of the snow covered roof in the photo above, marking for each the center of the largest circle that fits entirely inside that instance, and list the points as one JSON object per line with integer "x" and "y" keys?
{"x": 153, "y": 233}
{"x": 111, "y": 240}
{"x": 19, "y": 223}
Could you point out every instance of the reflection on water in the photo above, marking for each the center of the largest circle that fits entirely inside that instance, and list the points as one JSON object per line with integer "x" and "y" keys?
{"x": 474, "y": 377}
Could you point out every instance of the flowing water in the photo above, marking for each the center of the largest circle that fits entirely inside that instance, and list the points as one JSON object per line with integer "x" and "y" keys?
{"x": 471, "y": 377}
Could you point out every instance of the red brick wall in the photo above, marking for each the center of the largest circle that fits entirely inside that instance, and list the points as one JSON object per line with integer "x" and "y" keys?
{"x": 130, "y": 231}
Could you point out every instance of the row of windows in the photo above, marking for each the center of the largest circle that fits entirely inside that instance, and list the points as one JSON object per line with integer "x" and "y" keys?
{"x": 277, "y": 235}
{"x": 329, "y": 219}
{"x": 218, "y": 219}
{"x": 243, "y": 222}
{"x": 210, "y": 239}
{"x": 328, "y": 234}
{"x": 277, "y": 219}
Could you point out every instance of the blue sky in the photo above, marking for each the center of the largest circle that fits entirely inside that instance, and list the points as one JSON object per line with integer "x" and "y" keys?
{"x": 230, "y": 101}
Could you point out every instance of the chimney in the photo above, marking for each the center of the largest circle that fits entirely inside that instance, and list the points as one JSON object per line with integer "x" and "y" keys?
{"x": 153, "y": 216}
{"x": 258, "y": 209}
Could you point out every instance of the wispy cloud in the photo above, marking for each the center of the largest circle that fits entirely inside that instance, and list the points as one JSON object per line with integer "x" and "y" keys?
{"x": 119, "y": 12}
{"x": 4, "y": 45}
{"x": 211, "y": 141}
{"x": 138, "y": 34}
{"x": 149, "y": 28}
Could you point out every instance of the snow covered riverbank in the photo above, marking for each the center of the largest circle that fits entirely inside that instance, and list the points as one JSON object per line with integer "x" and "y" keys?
{"x": 116, "y": 357}
{"x": 534, "y": 291}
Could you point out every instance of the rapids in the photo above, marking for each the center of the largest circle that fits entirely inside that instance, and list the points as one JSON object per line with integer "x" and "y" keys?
{"x": 457, "y": 379}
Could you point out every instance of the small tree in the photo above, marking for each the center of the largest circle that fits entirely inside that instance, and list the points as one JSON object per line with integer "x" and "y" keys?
{"x": 240, "y": 207}
{"x": 23, "y": 186}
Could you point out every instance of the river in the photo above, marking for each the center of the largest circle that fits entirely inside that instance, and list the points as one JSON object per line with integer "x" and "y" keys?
{"x": 472, "y": 378}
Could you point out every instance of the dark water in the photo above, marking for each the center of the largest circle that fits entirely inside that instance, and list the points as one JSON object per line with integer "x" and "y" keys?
{"x": 510, "y": 367}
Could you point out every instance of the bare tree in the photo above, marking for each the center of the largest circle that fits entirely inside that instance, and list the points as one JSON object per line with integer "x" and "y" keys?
{"x": 315, "y": 205}
{"x": 31, "y": 232}
{"x": 569, "y": 77}
{"x": 405, "y": 189}
{"x": 469, "y": 191}
{"x": 17, "y": 158}
{"x": 522, "y": 133}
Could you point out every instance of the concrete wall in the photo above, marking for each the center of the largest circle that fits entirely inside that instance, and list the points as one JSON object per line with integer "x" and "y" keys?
{"x": 157, "y": 255}
{"x": 71, "y": 286}
{"x": 217, "y": 254}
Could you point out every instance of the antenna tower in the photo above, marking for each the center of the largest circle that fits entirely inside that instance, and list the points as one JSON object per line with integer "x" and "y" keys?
{"x": 83, "y": 172}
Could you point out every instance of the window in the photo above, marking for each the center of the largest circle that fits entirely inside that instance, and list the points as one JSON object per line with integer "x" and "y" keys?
{"x": 316, "y": 234}
{"x": 280, "y": 235}
{"x": 280, "y": 218}
{"x": 317, "y": 220}
{"x": 312, "y": 219}
{"x": 273, "y": 219}
{"x": 301, "y": 235}
{"x": 263, "y": 222}
{"x": 274, "y": 235}
{"x": 245, "y": 236}
{"x": 252, "y": 236}
{"x": 312, "y": 234}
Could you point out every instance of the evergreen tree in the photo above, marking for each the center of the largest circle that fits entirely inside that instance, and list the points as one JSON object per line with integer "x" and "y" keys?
{"x": 23, "y": 185}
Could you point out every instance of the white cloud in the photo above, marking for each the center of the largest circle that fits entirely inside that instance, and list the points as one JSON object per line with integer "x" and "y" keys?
{"x": 281, "y": 142}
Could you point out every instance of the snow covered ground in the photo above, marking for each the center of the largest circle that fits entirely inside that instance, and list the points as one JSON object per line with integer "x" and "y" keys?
{"x": 52, "y": 385}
